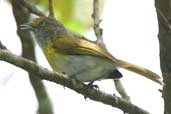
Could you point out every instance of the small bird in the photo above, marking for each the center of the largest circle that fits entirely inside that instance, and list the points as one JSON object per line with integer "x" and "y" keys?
{"x": 78, "y": 57}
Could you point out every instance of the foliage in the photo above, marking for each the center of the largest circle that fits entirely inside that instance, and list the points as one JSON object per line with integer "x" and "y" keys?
{"x": 75, "y": 14}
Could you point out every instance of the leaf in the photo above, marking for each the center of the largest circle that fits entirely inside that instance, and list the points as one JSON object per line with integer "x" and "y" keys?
{"x": 74, "y": 14}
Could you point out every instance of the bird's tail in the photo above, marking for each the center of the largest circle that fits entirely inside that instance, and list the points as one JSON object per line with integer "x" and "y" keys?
{"x": 140, "y": 70}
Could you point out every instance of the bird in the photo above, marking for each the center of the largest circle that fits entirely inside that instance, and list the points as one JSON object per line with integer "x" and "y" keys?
{"x": 73, "y": 54}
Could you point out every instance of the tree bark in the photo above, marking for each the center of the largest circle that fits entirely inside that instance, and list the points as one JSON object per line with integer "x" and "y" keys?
{"x": 163, "y": 8}
{"x": 22, "y": 16}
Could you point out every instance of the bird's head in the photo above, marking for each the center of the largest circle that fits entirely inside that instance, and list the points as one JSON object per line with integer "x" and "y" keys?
{"x": 45, "y": 28}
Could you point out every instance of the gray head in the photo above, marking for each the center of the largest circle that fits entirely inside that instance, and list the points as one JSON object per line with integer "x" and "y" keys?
{"x": 45, "y": 28}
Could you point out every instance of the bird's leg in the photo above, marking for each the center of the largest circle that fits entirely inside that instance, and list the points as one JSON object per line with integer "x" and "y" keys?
{"x": 90, "y": 84}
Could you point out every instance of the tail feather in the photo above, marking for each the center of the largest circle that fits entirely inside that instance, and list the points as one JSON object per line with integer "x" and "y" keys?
{"x": 140, "y": 70}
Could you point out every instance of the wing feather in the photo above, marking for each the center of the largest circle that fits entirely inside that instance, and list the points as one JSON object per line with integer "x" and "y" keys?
{"x": 75, "y": 46}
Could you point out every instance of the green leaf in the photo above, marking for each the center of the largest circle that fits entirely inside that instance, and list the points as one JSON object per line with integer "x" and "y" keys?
{"x": 74, "y": 14}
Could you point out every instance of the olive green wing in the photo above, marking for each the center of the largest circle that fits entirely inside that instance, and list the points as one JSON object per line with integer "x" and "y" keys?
{"x": 76, "y": 46}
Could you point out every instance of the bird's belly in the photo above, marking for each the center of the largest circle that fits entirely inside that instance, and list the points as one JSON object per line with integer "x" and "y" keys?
{"x": 81, "y": 67}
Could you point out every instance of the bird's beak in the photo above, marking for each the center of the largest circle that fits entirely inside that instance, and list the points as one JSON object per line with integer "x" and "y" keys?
{"x": 27, "y": 26}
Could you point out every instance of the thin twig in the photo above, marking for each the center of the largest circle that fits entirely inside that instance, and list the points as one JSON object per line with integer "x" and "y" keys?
{"x": 97, "y": 29}
{"x": 120, "y": 88}
{"x": 51, "y": 8}
{"x": 64, "y": 80}
{"x": 32, "y": 8}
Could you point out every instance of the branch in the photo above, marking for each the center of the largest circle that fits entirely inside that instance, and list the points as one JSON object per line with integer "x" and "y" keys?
{"x": 51, "y": 8}
{"x": 166, "y": 21}
{"x": 98, "y": 32}
{"x": 21, "y": 15}
{"x": 97, "y": 29}
{"x": 120, "y": 88}
{"x": 163, "y": 8}
{"x": 32, "y": 8}
{"x": 62, "y": 79}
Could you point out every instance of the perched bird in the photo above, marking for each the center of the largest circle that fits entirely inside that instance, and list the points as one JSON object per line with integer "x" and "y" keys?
{"x": 78, "y": 57}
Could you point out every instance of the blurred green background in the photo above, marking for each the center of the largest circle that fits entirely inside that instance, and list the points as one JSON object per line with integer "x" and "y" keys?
{"x": 74, "y": 14}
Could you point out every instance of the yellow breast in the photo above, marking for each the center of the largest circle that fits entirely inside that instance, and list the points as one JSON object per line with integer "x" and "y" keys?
{"x": 52, "y": 55}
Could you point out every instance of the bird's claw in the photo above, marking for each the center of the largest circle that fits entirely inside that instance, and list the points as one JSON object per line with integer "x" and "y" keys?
{"x": 93, "y": 86}
{"x": 90, "y": 85}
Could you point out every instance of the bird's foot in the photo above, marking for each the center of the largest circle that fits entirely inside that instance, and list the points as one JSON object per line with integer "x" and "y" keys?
{"x": 90, "y": 85}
